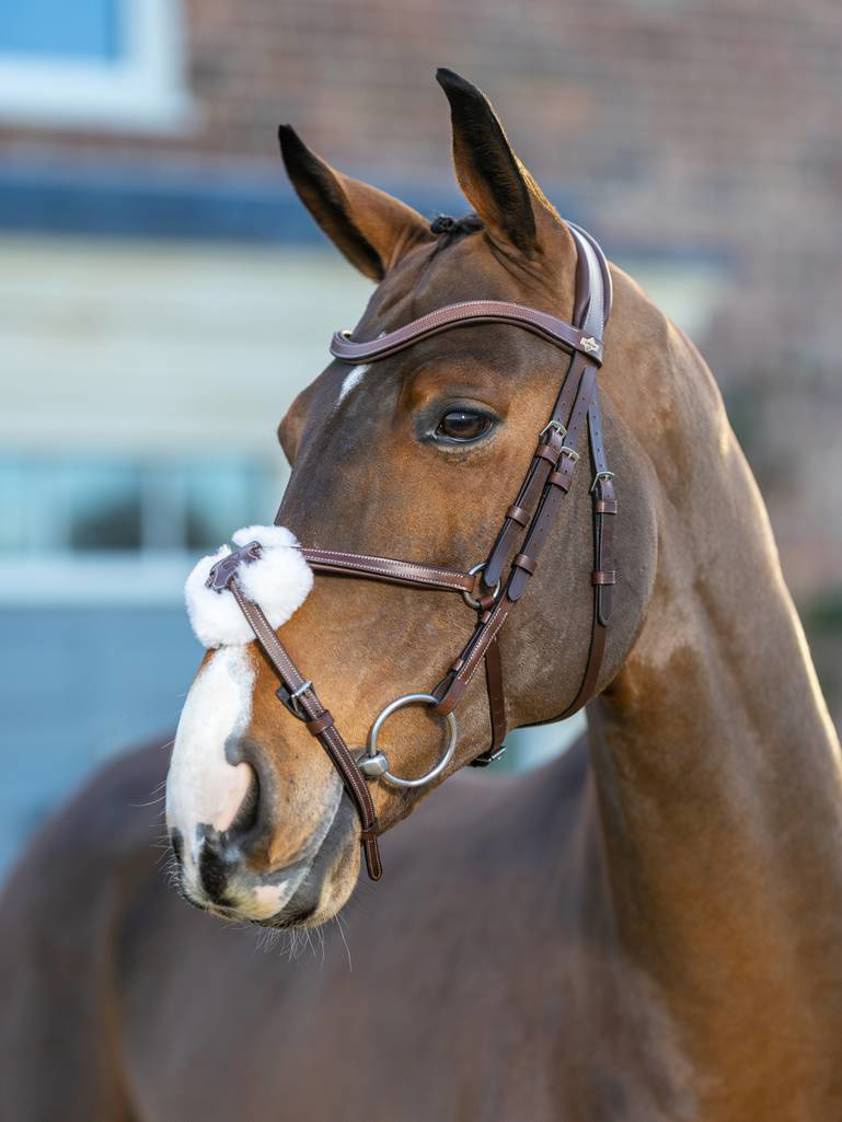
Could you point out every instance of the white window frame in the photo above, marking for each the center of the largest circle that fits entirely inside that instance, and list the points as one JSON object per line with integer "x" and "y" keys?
{"x": 143, "y": 91}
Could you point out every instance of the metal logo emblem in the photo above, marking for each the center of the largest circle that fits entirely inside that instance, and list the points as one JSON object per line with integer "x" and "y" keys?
{"x": 589, "y": 344}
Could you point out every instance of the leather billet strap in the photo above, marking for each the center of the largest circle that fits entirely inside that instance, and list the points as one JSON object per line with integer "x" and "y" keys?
{"x": 496, "y": 705}
{"x": 319, "y": 723}
{"x": 544, "y": 460}
{"x": 465, "y": 314}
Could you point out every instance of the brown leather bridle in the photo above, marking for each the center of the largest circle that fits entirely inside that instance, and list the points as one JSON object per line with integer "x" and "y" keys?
{"x": 495, "y": 586}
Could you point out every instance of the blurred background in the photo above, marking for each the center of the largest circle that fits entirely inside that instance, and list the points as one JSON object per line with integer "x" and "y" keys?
{"x": 163, "y": 296}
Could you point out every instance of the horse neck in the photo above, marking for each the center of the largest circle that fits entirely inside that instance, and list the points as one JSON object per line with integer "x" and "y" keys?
{"x": 718, "y": 779}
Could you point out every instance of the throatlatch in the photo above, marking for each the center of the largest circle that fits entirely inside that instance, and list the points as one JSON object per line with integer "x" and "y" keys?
{"x": 268, "y": 575}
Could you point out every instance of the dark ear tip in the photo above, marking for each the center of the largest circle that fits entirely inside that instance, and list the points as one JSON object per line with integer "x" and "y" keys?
{"x": 293, "y": 149}
{"x": 450, "y": 81}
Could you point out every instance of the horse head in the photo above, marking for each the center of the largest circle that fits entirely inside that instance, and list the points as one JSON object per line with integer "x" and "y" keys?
{"x": 415, "y": 456}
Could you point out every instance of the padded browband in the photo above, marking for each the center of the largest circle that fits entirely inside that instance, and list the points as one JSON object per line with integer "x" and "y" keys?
{"x": 471, "y": 311}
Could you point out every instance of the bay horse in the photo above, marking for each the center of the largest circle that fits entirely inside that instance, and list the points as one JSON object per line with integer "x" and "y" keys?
{"x": 648, "y": 928}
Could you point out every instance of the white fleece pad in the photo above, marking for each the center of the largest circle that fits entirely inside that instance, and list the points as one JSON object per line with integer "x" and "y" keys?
{"x": 279, "y": 581}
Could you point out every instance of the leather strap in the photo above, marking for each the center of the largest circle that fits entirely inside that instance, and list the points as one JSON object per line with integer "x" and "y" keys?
{"x": 593, "y": 296}
{"x": 389, "y": 569}
{"x": 551, "y": 440}
{"x": 603, "y": 579}
{"x": 555, "y": 492}
{"x": 496, "y": 703}
{"x": 464, "y": 314}
{"x": 604, "y": 575}
{"x": 319, "y": 724}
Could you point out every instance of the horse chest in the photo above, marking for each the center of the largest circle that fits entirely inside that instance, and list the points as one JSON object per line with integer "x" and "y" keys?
{"x": 409, "y": 1022}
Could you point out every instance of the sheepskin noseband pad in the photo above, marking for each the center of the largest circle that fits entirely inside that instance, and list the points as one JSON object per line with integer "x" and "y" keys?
{"x": 276, "y": 577}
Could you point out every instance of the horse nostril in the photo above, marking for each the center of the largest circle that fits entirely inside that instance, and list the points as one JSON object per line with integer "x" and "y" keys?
{"x": 222, "y": 851}
{"x": 214, "y": 869}
{"x": 246, "y": 817}
{"x": 177, "y": 846}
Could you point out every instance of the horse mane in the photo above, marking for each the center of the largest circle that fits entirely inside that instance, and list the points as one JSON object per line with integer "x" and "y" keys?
{"x": 450, "y": 230}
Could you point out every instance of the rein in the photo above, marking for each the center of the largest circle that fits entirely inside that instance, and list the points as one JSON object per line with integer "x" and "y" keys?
{"x": 493, "y": 587}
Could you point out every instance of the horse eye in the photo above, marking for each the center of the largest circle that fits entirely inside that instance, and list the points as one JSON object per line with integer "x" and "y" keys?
{"x": 463, "y": 425}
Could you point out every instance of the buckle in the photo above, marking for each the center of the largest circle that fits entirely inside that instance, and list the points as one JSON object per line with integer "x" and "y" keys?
{"x": 599, "y": 476}
{"x": 555, "y": 425}
{"x": 571, "y": 453}
{"x": 483, "y": 760}
{"x": 290, "y": 700}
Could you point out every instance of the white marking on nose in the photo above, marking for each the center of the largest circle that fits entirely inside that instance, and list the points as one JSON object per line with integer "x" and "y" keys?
{"x": 268, "y": 899}
{"x": 202, "y": 786}
{"x": 351, "y": 381}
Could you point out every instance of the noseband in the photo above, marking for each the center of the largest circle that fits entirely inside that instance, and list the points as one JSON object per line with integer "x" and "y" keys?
{"x": 493, "y": 587}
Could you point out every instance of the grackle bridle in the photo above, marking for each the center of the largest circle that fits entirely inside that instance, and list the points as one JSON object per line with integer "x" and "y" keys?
{"x": 493, "y": 587}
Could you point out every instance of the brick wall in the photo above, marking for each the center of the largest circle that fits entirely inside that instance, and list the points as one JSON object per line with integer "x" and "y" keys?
{"x": 709, "y": 124}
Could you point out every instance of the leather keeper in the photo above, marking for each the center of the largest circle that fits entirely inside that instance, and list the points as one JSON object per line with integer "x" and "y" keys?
{"x": 525, "y": 562}
{"x": 320, "y": 723}
{"x": 518, "y": 514}
{"x": 545, "y": 452}
{"x": 559, "y": 479}
{"x": 452, "y": 696}
{"x": 604, "y": 576}
{"x": 565, "y": 470}
{"x": 605, "y": 506}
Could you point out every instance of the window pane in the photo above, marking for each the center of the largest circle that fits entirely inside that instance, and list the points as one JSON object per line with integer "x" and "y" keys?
{"x": 12, "y": 505}
{"x": 83, "y": 29}
{"x": 58, "y": 506}
{"x": 103, "y": 507}
{"x": 221, "y": 497}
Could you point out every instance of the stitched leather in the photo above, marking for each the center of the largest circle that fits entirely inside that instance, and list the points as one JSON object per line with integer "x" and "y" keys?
{"x": 319, "y": 724}
{"x": 469, "y": 312}
{"x": 326, "y": 733}
{"x": 496, "y": 697}
{"x": 389, "y": 569}
{"x": 552, "y": 438}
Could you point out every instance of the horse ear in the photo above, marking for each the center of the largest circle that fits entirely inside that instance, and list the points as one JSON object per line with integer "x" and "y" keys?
{"x": 493, "y": 180}
{"x": 371, "y": 228}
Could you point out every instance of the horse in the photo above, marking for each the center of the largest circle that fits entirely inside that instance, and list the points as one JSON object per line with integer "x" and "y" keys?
{"x": 647, "y": 928}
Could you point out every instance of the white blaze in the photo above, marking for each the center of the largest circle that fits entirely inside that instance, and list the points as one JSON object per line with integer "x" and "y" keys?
{"x": 351, "y": 380}
{"x": 202, "y": 786}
